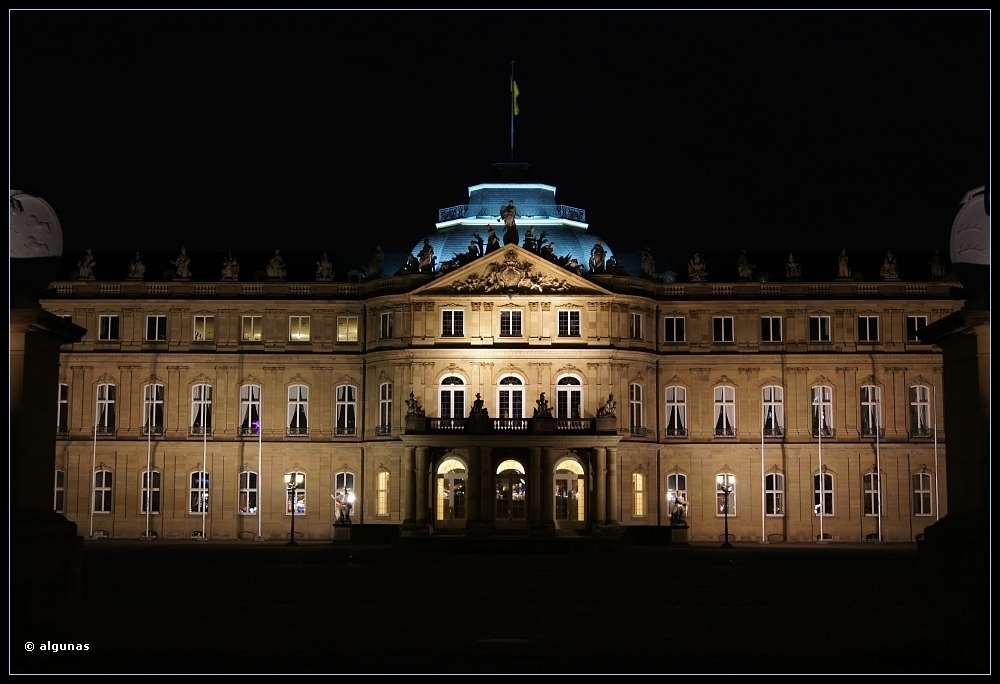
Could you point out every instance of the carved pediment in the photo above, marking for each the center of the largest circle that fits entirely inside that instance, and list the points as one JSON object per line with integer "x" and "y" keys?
{"x": 511, "y": 270}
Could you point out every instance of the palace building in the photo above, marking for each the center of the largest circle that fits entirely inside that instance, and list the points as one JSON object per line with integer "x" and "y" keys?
{"x": 512, "y": 375}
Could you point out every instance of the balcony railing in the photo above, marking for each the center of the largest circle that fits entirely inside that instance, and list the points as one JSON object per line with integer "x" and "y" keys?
{"x": 536, "y": 425}
{"x": 249, "y": 431}
{"x": 106, "y": 431}
{"x": 827, "y": 432}
{"x": 725, "y": 432}
{"x": 155, "y": 431}
{"x": 637, "y": 431}
{"x": 383, "y": 430}
{"x": 62, "y": 431}
{"x": 199, "y": 431}
{"x": 674, "y": 433}
{"x": 774, "y": 432}
{"x": 572, "y": 425}
{"x": 873, "y": 432}
{"x": 510, "y": 424}
{"x": 296, "y": 431}
{"x": 349, "y": 431}
{"x": 922, "y": 432}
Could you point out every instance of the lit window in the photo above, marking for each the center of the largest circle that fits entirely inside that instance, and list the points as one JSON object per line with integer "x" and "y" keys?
{"x": 103, "y": 491}
{"x": 673, "y": 329}
{"x": 722, "y": 329}
{"x": 451, "y": 504}
{"x": 249, "y": 410}
{"x": 774, "y": 489}
{"x": 253, "y": 328}
{"x": 384, "y": 409}
{"x": 725, "y": 411}
{"x": 204, "y": 328}
{"x": 635, "y": 326}
{"x": 569, "y": 323}
{"x": 770, "y": 329}
{"x": 452, "y": 397}
{"x": 867, "y": 328}
{"x": 823, "y": 491}
{"x": 298, "y": 328}
{"x": 62, "y": 410}
{"x": 248, "y": 492}
{"x": 871, "y": 412}
{"x": 198, "y": 500}
{"x": 510, "y": 400}
{"x": 822, "y": 413}
{"x": 152, "y": 410}
{"x": 385, "y": 330}
{"x": 296, "y": 485}
{"x": 873, "y": 493}
{"x": 635, "y": 410}
{"x": 920, "y": 411}
{"x": 59, "y": 492}
{"x": 452, "y": 323}
{"x": 382, "y": 508}
{"x": 676, "y": 492}
{"x": 107, "y": 330}
{"x": 106, "y": 416}
{"x": 150, "y": 492}
{"x": 638, "y": 495}
{"x": 298, "y": 410}
{"x": 725, "y": 494}
{"x": 347, "y": 410}
{"x": 569, "y": 397}
{"x": 201, "y": 410}
{"x": 774, "y": 411}
{"x": 819, "y": 328}
{"x": 922, "y": 494}
{"x": 156, "y": 328}
{"x": 676, "y": 407}
{"x": 347, "y": 328}
{"x": 510, "y": 324}
{"x": 914, "y": 327}
{"x": 344, "y": 491}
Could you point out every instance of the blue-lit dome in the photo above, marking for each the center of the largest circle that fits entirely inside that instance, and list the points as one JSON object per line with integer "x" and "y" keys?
{"x": 559, "y": 230}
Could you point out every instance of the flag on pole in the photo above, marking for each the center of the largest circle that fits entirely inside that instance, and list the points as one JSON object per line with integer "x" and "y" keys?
{"x": 516, "y": 92}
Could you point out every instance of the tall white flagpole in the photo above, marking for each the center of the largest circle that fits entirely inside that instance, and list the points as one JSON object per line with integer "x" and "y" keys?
{"x": 822, "y": 492}
{"x": 763, "y": 491}
{"x": 260, "y": 474}
{"x": 149, "y": 461}
{"x": 878, "y": 467}
{"x": 937, "y": 473}
{"x": 93, "y": 463}
{"x": 204, "y": 470}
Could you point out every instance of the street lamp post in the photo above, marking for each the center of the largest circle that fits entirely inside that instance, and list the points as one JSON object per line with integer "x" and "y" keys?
{"x": 292, "y": 482}
{"x": 726, "y": 490}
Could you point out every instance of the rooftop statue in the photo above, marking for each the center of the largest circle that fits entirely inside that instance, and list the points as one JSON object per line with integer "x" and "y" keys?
{"x": 85, "y": 267}
{"x": 230, "y": 268}
{"x": 413, "y": 406}
{"x": 648, "y": 266}
{"x": 793, "y": 270}
{"x": 181, "y": 263}
{"x": 492, "y": 241}
{"x": 542, "y": 408}
{"x": 324, "y": 269}
{"x": 426, "y": 257}
{"x": 597, "y": 256}
{"x": 937, "y": 266}
{"x": 843, "y": 269}
{"x": 374, "y": 267}
{"x": 478, "y": 410}
{"x": 610, "y": 407}
{"x": 697, "y": 270}
{"x": 276, "y": 267}
{"x": 507, "y": 215}
{"x": 745, "y": 267}
{"x": 136, "y": 269}
{"x": 530, "y": 243}
{"x": 889, "y": 270}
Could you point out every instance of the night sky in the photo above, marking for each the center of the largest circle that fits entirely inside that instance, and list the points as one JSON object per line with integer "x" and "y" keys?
{"x": 312, "y": 131}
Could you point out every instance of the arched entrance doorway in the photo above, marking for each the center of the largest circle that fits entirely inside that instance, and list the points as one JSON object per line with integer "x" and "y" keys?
{"x": 510, "y": 503}
{"x": 451, "y": 506}
{"x": 570, "y": 509}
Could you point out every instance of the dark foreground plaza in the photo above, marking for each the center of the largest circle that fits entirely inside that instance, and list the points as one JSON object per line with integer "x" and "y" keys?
{"x": 560, "y": 608}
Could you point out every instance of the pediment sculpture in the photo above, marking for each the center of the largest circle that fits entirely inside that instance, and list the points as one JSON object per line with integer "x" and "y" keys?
{"x": 511, "y": 275}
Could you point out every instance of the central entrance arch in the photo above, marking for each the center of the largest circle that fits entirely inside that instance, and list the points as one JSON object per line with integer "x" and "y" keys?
{"x": 570, "y": 508}
{"x": 451, "y": 506}
{"x": 511, "y": 496}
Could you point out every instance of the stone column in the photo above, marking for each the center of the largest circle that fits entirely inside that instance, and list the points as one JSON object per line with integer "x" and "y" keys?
{"x": 535, "y": 488}
{"x": 482, "y": 522}
{"x": 600, "y": 485}
{"x": 613, "y": 486}
{"x": 420, "y": 486}
{"x": 409, "y": 489}
{"x": 547, "y": 491}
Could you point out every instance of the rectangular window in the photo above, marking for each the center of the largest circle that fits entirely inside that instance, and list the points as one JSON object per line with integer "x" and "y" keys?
{"x": 103, "y": 490}
{"x": 204, "y": 328}
{"x": 59, "y": 492}
{"x": 676, "y": 406}
{"x": 452, "y": 323}
{"x": 250, "y": 410}
{"x": 673, "y": 329}
{"x": 819, "y": 328}
{"x": 383, "y": 493}
{"x": 635, "y": 326}
{"x": 871, "y": 412}
{"x": 920, "y": 411}
{"x": 773, "y": 411}
{"x": 298, "y": 328}
{"x": 922, "y": 494}
{"x": 152, "y": 410}
{"x": 198, "y": 501}
{"x": 347, "y": 328}
{"x": 106, "y": 415}
{"x": 638, "y": 496}
{"x": 107, "y": 328}
{"x": 62, "y": 410}
{"x": 384, "y": 426}
{"x": 385, "y": 329}
{"x": 510, "y": 324}
{"x": 569, "y": 323}
{"x": 253, "y": 328}
{"x": 822, "y": 412}
{"x": 298, "y": 411}
{"x": 156, "y": 328}
{"x": 201, "y": 410}
{"x": 867, "y": 328}
{"x": 722, "y": 329}
{"x": 914, "y": 326}
{"x": 770, "y": 329}
{"x": 248, "y": 493}
{"x": 774, "y": 488}
{"x": 347, "y": 410}
{"x": 725, "y": 411}
{"x": 150, "y": 493}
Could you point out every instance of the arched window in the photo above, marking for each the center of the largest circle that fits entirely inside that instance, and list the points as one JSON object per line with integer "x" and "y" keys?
{"x": 822, "y": 411}
{"x": 725, "y": 411}
{"x": 150, "y": 495}
{"x": 774, "y": 411}
{"x": 675, "y": 402}
{"x": 635, "y": 410}
{"x": 570, "y": 492}
{"x": 106, "y": 414}
{"x": 452, "y": 397}
{"x": 922, "y": 494}
{"x": 248, "y": 489}
{"x": 198, "y": 489}
{"x": 201, "y": 410}
{"x": 451, "y": 497}
{"x": 774, "y": 489}
{"x": 676, "y": 492}
{"x": 343, "y": 493}
{"x": 823, "y": 491}
{"x": 384, "y": 426}
{"x": 920, "y": 411}
{"x": 872, "y": 485}
{"x": 871, "y": 412}
{"x": 725, "y": 494}
{"x": 298, "y": 410}
{"x": 569, "y": 397}
{"x": 295, "y": 485}
{"x": 152, "y": 409}
{"x": 510, "y": 399}
{"x": 347, "y": 411}
{"x": 103, "y": 490}
{"x": 250, "y": 410}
